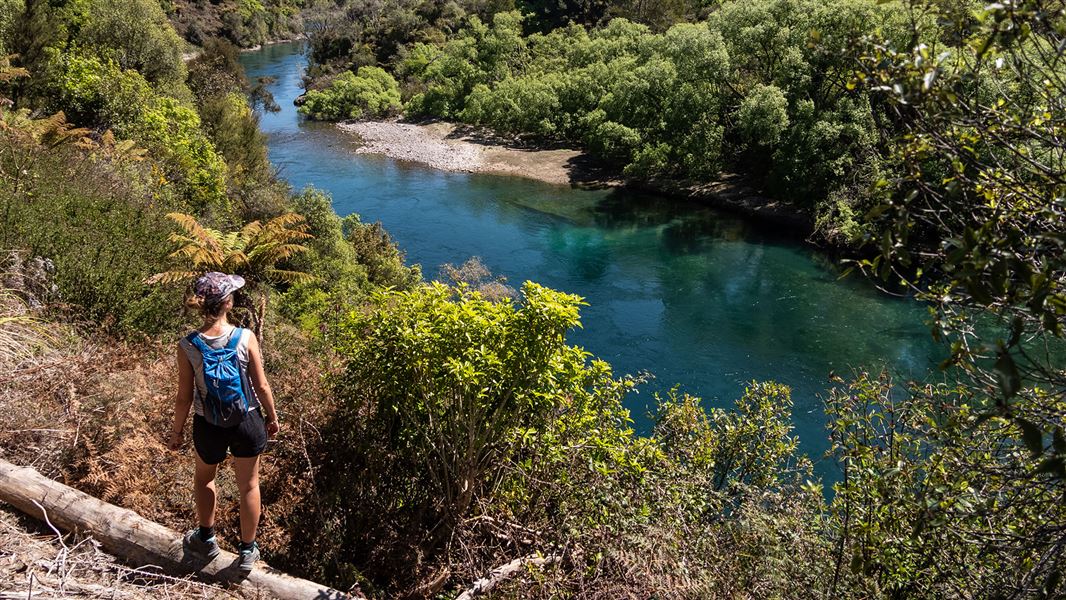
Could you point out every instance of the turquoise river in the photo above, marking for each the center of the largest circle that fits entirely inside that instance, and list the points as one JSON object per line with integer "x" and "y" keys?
{"x": 693, "y": 296}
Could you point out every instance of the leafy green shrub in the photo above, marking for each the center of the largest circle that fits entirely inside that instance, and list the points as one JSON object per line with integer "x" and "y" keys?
{"x": 649, "y": 161}
{"x": 480, "y": 54}
{"x": 437, "y": 381}
{"x": 340, "y": 281}
{"x": 937, "y": 497}
{"x": 233, "y": 128}
{"x": 476, "y": 427}
{"x": 614, "y": 140}
{"x": 349, "y": 260}
{"x": 97, "y": 92}
{"x": 371, "y": 92}
{"x": 136, "y": 35}
{"x": 97, "y": 215}
{"x": 526, "y": 105}
{"x": 10, "y": 11}
{"x": 762, "y": 117}
{"x": 379, "y": 255}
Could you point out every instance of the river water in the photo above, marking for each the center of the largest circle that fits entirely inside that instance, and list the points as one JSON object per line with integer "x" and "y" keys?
{"x": 696, "y": 297}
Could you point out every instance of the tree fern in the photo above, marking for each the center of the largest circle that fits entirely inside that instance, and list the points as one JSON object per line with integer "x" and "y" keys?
{"x": 257, "y": 252}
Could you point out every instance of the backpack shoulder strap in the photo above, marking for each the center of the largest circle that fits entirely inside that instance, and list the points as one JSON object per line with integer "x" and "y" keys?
{"x": 235, "y": 338}
{"x": 195, "y": 339}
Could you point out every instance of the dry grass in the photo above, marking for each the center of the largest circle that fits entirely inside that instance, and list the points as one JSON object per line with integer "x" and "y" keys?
{"x": 94, "y": 411}
{"x": 96, "y": 415}
{"x": 35, "y": 562}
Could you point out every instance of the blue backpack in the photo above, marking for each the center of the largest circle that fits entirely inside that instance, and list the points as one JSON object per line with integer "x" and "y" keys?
{"x": 225, "y": 404}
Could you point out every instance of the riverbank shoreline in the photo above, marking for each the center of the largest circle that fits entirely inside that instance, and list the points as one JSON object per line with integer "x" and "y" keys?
{"x": 459, "y": 148}
{"x": 301, "y": 37}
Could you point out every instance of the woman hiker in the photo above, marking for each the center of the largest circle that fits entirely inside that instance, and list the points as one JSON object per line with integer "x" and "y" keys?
{"x": 220, "y": 376}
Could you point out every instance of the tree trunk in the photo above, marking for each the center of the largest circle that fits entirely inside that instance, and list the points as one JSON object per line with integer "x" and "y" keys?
{"x": 504, "y": 572}
{"x": 260, "y": 316}
{"x": 139, "y": 541}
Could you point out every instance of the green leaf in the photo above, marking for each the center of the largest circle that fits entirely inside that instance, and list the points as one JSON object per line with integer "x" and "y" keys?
{"x": 1031, "y": 435}
{"x": 1053, "y": 466}
{"x": 1010, "y": 380}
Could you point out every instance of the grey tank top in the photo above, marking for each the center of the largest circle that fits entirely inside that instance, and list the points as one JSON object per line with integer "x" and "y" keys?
{"x": 197, "y": 361}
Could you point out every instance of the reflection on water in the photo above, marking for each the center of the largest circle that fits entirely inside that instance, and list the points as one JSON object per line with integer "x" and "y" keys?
{"x": 697, "y": 297}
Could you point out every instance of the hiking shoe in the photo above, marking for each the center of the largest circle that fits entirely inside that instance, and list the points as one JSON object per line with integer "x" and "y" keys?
{"x": 194, "y": 544}
{"x": 247, "y": 558}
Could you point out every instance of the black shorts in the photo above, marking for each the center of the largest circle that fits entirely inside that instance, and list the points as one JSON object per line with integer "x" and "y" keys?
{"x": 246, "y": 440}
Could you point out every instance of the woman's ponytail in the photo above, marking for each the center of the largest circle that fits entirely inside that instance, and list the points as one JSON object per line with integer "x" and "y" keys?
{"x": 201, "y": 305}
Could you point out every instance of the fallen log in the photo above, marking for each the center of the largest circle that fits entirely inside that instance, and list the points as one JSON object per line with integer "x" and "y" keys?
{"x": 504, "y": 572}
{"x": 137, "y": 540}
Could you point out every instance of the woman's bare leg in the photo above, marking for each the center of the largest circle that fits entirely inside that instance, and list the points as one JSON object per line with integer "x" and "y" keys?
{"x": 204, "y": 492}
{"x": 247, "y": 472}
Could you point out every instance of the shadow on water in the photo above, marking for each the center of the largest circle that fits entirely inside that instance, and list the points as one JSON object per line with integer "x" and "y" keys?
{"x": 686, "y": 224}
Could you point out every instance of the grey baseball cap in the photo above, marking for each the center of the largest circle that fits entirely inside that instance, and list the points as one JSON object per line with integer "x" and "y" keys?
{"x": 214, "y": 286}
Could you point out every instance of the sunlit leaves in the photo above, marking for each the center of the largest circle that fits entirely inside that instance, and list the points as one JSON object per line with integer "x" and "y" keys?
{"x": 937, "y": 496}
{"x": 973, "y": 220}
{"x": 457, "y": 374}
{"x": 257, "y": 251}
{"x": 372, "y": 92}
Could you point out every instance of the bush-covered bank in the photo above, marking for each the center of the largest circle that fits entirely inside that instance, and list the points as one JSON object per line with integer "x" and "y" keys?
{"x": 244, "y": 23}
{"x": 468, "y": 149}
{"x": 762, "y": 89}
{"x": 137, "y": 133}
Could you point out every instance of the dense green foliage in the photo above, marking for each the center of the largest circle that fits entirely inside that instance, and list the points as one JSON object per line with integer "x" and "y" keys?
{"x": 117, "y": 66}
{"x": 472, "y": 421}
{"x": 94, "y": 210}
{"x": 98, "y": 92}
{"x": 974, "y": 221}
{"x": 358, "y": 33}
{"x": 938, "y": 501}
{"x": 136, "y": 35}
{"x": 244, "y": 23}
{"x": 155, "y": 136}
{"x": 758, "y": 87}
{"x": 222, "y": 92}
{"x": 348, "y": 259}
{"x": 372, "y": 92}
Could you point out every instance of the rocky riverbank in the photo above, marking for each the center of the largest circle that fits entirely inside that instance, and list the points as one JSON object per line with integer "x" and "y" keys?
{"x": 465, "y": 149}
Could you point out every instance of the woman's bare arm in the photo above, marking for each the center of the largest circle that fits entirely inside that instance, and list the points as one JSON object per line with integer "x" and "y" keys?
{"x": 261, "y": 385}
{"x": 183, "y": 401}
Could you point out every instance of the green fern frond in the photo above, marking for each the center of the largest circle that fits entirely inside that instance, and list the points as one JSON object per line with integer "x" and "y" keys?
{"x": 287, "y": 276}
{"x": 286, "y": 220}
{"x": 169, "y": 277}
